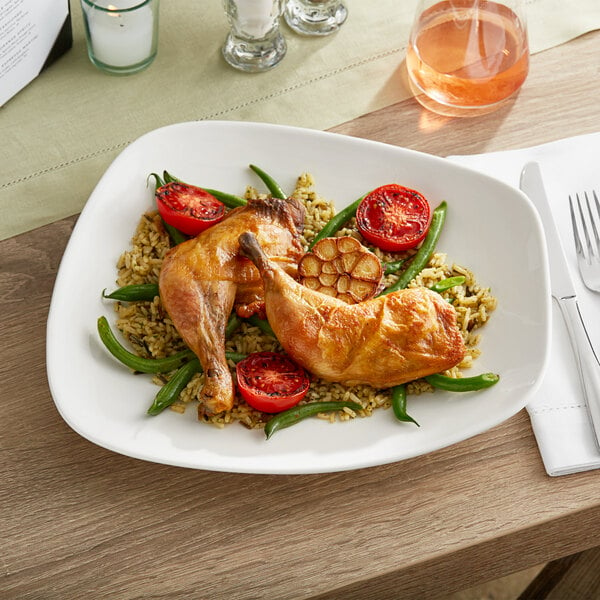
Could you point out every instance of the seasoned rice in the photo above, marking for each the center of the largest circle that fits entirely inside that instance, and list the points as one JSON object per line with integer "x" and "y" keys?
{"x": 151, "y": 333}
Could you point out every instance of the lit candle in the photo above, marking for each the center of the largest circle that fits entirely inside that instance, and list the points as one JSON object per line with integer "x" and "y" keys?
{"x": 121, "y": 39}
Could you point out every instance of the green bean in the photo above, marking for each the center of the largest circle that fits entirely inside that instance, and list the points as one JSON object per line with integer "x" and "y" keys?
{"x": 463, "y": 384}
{"x": 177, "y": 237}
{"x": 399, "y": 404}
{"x": 233, "y": 323}
{"x": 271, "y": 184}
{"x": 133, "y": 293}
{"x": 151, "y": 365}
{"x": 169, "y": 392}
{"x": 235, "y": 356}
{"x": 393, "y": 267}
{"x": 294, "y": 415}
{"x": 446, "y": 284}
{"x": 229, "y": 200}
{"x": 262, "y": 324}
{"x": 135, "y": 362}
{"x": 158, "y": 181}
{"x": 168, "y": 178}
{"x": 337, "y": 221}
{"x": 421, "y": 258}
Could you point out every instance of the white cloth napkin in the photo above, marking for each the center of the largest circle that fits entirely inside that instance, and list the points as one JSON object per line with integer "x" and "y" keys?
{"x": 558, "y": 412}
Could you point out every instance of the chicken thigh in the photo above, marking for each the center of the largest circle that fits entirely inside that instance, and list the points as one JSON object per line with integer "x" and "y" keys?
{"x": 383, "y": 342}
{"x": 202, "y": 278}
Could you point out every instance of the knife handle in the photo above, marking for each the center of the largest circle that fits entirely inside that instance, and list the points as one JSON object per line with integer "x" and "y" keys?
{"x": 587, "y": 361}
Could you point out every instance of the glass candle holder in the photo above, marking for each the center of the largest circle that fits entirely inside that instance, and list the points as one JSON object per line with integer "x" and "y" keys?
{"x": 254, "y": 42}
{"x": 315, "y": 17}
{"x": 467, "y": 57}
{"x": 121, "y": 35}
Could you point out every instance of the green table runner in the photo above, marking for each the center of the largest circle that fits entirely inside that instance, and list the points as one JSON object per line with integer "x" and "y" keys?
{"x": 63, "y": 130}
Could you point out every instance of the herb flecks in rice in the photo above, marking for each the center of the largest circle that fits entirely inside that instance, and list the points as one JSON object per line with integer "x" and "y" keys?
{"x": 152, "y": 334}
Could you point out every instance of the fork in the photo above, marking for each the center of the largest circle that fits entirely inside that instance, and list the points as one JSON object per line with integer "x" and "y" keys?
{"x": 588, "y": 253}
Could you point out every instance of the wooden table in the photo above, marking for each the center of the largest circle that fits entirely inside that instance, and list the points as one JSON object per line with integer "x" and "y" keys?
{"x": 78, "y": 521}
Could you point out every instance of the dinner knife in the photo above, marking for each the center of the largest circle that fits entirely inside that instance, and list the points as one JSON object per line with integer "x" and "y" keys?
{"x": 563, "y": 291}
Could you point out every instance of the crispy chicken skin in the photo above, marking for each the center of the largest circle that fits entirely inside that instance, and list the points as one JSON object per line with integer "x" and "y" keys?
{"x": 202, "y": 279}
{"x": 383, "y": 342}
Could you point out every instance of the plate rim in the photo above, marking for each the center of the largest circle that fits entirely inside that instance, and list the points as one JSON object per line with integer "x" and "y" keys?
{"x": 79, "y": 230}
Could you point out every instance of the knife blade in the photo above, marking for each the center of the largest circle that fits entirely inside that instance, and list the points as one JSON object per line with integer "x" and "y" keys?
{"x": 564, "y": 293}
{"x": 532, "y": 185}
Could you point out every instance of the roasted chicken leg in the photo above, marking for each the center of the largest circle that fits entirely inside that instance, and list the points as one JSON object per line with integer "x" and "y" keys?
{"x": 202, "y": 279}
{"x": 383, "y": 342}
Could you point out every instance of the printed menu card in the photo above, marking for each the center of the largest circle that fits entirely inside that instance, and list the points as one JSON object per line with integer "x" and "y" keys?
{"x": 33, "y": 34}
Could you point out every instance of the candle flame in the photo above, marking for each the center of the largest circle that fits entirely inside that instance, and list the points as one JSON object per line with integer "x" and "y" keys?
{"x": 112, "y": 10}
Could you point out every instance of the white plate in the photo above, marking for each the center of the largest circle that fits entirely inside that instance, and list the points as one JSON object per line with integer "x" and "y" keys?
{"x": 491, "y": 228}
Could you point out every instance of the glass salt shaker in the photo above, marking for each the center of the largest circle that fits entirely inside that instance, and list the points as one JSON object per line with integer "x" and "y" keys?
{"x": 315, "y": 17}
{"x": 254, "y": 42}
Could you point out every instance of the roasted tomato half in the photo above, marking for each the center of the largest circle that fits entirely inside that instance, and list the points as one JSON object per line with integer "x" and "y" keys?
{"x": 393, "y": 218}
{"x": 271, "y": 381}
{"x": 188, "y": 208}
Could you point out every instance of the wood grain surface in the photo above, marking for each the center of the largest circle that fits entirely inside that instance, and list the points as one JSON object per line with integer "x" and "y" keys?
{"x": 78, "y": 521}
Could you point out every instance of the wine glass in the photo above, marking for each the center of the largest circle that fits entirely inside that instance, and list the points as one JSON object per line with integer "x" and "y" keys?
{"x": 467, "y": 57}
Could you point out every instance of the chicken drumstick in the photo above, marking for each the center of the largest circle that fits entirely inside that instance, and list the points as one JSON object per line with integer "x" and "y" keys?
{"x": 383, "y": 342}
{"x": 201, "y": 279}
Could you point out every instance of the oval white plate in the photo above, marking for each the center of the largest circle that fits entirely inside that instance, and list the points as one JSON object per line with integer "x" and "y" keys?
{"x": 491, "y": 228}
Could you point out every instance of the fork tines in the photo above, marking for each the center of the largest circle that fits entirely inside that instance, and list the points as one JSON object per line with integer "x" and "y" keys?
{"x": 587, "y": 225}
{"x": 587, "y": 241}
